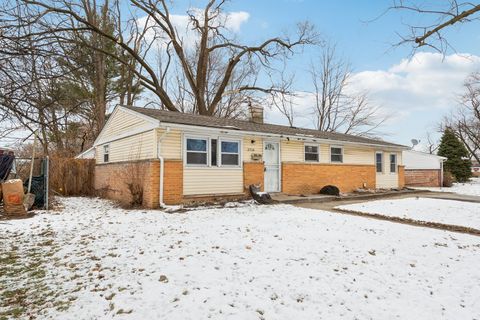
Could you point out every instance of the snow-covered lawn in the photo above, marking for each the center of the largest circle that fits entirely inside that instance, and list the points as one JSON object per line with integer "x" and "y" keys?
{"x": 451, "y": 212}
{"x": 94, "y": 261}
{"x": 471, "y": 188}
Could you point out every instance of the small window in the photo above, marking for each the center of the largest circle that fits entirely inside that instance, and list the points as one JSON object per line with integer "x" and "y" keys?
{"x": 106, "y": 151}
{"x": 393, "y": 163}
{"x": 197, "y": 151}
{"x": 213, "y": 152}
{"x": 379, "y": 162}
{"x": 311, "y": 153}
{"x": 336, "y": 154}
{"x": 230, "y": 153}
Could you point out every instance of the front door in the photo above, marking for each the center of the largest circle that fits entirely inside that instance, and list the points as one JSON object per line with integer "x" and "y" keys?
{"x": 271, "y": 158}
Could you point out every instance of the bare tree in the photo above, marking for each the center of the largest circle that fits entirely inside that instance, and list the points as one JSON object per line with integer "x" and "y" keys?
{"x": 336, "y": 107}
{"x": 465, "y": 120}
{"x": 212, "y": 40}
{"x": 437, "y": 16}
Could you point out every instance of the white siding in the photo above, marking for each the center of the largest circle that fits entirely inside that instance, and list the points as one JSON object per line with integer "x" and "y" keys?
{"x": 210, "y": 181}
{"x": 121, "y": 123}
{"x": 358, "y": 155}
{"x": 171, "y": 144}
{"x": 137, "y": 147}
{"x": 420, "y": 160}
{"x": 292, "y": 151}
{"x": 250, "y": 148}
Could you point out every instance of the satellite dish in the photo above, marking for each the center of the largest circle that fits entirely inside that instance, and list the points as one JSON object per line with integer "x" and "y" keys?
{"x": 415, "y": 142}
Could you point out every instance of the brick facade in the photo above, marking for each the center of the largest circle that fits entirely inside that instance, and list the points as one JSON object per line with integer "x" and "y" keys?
{"x": 423, "y": 178}
{"x": 112, "y": 181}
{"x": 401, "y": 177}
{"x": 173, "y": 182}
{"x": 253, "y": 173}
{"x": 305, "y": 178}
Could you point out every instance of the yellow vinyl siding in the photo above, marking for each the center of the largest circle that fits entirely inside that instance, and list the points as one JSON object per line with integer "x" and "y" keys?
{"x": 250, "y": 148}
{"x": 358, "y": 155}
{"x": 210, "y": 181}
{"x": 324, "y": 153}
{"x": 292, "y": 151}
{"x": 122, "y": 123}
{"x": 137, "y": 147}
{"x": 171, "y": 144}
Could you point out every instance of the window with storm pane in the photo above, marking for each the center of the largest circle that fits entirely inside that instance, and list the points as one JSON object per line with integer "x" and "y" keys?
{"x": 197, "y": 152}
{"x": 311, "y": 153}
{"x": 230, "y": 153}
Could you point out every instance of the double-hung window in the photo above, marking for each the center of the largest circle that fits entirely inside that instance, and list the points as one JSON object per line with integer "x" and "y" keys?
{"x": 311, "y": 153}
{"x": 212, "y": 152}
{"x": 379, "y": 162}
{"x": 393, "y": 163}
{"x": 230, "y": 153}
{"x": 197, "y": 151}
{"x": 106, "y": 153}
{"x": 336, "y": 154}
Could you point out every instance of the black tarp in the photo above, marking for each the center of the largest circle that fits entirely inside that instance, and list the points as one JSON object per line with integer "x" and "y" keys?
{"x": 38, "y": 189}
{"x": 6, "y": 163}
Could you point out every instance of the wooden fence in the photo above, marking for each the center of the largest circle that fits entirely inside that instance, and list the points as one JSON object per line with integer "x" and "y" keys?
{"x": 72, "y": 177}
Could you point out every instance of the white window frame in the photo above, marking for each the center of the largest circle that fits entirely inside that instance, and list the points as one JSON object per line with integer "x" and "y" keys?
{"x": 304, "y": 152}
{"x": 390, "y": 163}
{"x": 219, "y": 153}
{"x": 383, "y": 162}
{"x": 343, "y": 154}
{"x": 106, "y": 152}
{"x": 185, "y": 152}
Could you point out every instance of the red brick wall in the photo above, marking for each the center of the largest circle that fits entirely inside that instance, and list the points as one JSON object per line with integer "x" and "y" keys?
{"x": 303, "y": 178}
{"x": 112, "y": 179}
{"x": 252, "y": 174}
{"x": 422, "y": 178}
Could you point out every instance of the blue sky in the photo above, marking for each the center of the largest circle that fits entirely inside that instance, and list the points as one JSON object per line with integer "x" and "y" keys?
{"x": 368, "y": 43}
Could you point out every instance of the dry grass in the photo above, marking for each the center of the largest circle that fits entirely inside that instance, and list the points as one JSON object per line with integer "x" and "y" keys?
{"x": 72, "y": 177}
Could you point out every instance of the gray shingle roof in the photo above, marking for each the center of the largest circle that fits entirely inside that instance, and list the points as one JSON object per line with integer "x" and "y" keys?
{"x": 244, "y": 125}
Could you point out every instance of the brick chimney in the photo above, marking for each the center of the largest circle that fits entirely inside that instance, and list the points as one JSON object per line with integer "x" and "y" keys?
{"x": 256, "y": 113}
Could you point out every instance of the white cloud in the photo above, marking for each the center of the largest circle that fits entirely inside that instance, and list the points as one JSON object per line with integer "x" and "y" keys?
{"x": 428, "y": 81}
{"x": 235, "y": 20}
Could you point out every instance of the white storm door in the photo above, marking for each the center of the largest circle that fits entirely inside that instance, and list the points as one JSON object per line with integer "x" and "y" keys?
{"x": 271, "y": 158}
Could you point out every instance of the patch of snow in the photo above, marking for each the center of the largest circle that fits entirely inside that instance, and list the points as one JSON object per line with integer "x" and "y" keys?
{"x": 471, "y": 188}
{"x": 247, "y": 262}
{"x": 451, "y": 212}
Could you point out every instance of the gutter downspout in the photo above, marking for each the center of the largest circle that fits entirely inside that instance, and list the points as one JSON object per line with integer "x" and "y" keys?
{"x": 441, "y": 173}
{"x": 162, "y": 166}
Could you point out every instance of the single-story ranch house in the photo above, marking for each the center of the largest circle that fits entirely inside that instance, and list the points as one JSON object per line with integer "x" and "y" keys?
{"x": 178, "y": 158}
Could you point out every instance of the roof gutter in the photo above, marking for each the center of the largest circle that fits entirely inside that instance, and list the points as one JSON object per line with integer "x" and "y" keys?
{"x": 162, "y": 166}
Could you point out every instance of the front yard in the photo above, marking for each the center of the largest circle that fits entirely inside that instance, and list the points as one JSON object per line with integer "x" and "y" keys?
{"x": 92, "y": 260}
{"x": 448, "y": 212}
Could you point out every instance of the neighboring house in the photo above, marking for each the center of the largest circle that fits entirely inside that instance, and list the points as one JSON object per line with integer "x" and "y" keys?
{"x": 207, "y": 157}
{"x": 87, "y": 154}
{"x": 475, "y": 169}
{"x": 423, "y": 169}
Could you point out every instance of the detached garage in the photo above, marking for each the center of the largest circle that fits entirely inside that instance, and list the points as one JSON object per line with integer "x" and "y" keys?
{"x": 423, "y": 169}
